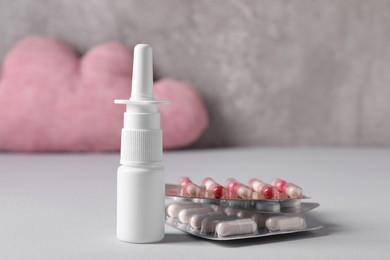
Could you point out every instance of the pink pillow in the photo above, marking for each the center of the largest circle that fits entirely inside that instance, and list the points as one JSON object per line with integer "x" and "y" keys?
{"x": 53, "y": 101}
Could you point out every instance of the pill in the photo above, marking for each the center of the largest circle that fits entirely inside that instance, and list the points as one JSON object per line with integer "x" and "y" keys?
{"x": 244, "y": 214}
{"x": 231, "y": 211}
{"x": 234, "y": 187}
{"x": 196, "y": 220}
{"x": 186, "y": 214}
{"x": 217, "y": 207}
{"x": 188, "y": 188}
{"x": 293, "y": 191}
{"x": 289, "y": 190}
{"x": 174, "y": 209}
{"x": 236, "y": 227}
{"x": 279, "y": 184}
{"x": 265, "y": 190}
{"x": 213, "y": 189}
{"x": 285, "y": 223}
{"x": 209, "y": 223}
{"x": 256, "y": 196}
{"x": 171, "y": 221}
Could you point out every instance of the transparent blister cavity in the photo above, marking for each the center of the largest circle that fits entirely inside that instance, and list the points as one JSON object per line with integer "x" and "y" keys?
{"x": 197, "y": 219}
{"x": 287, "y": 190}
{"x": 262, "y": 190}
{"x": 210, "y": 223}
{"x": 174, "y": 208}
{"x": 186, "y": 214}
{"x": 236, "y": 227}
{"x": 188, "y": 188}
{"x": 213, "y": 189}
{"x": 285, "y": 223}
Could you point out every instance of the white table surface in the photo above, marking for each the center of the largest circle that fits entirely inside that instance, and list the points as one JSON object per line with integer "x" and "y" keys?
{"x": 62, "y": 206}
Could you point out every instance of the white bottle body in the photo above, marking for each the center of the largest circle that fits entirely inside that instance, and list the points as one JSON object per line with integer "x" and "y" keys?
{"x": 140, "y": 203}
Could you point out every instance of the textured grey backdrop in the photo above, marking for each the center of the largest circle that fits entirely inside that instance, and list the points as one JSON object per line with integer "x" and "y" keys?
{"x": 271, "y": 72}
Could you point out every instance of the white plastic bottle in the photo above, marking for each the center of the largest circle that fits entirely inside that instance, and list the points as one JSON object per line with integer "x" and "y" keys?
{"x": 140, "y": 187}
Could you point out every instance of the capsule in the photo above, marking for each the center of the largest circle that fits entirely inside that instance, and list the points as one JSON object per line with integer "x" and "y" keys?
{"x": 240, "y": 190}
{"x": 236, "y": 227}
{"x": 210, "y": 223}
{"x": 196, "y": 220}
{"x": 289, "y": 190}
{"x": 174, "y": 209}
{"x": 279, "y": 184}
{"x": 217, "y": 208}
{"x": 231, "y": 211}
{"x": 213, "y": 189}
{"x": 257, "y": 217}
{"x": 285, "y": 223}
{"x": 293, "y": 191}
{"x": 244, "y": 214}
{"x": 188, "y": 188}
{"x": 186, "y": 214}
{"x": 265, "y": 191}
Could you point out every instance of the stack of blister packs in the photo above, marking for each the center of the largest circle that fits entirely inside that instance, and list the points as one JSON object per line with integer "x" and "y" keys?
{"x": 236, "y": 210}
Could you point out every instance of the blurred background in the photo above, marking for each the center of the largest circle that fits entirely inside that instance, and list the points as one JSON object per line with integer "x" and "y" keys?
{"x": 272, "y": 73}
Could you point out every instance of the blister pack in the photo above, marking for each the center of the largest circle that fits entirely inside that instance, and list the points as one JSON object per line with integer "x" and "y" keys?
{"x": 237, "y": 210}
{"x": 173, "y": 193}
{"x": 226, "y": 223}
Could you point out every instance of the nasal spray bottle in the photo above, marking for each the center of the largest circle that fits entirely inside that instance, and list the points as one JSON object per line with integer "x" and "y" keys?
{"x": 140, "y": 187}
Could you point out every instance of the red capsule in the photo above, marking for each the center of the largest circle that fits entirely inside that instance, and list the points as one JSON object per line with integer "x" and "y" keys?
{"x": 213, "y": 189}
{"x": 293, "y": 191}
{"x": 189, "y": 188}
{"x": 242, "y": 191}
{"x": 289, "y": 190}
{"x": 231, "y": 184}
{"x": 279, "y": 184}
{"x": 268, "y": 192}
{"x": 265, "y": 191}
{"x": 183, "y": 181}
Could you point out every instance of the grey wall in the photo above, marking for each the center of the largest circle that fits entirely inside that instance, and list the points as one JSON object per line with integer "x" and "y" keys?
{"x": 271, "y": 72}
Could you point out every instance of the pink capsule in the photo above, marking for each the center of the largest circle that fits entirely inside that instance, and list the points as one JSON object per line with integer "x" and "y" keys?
{"x": 265, "y": 191}
{"x": 293, "y": 191}
{"x": 240, "y": 190}
{"x": 213, "y": 189}
{"x": 279, "y": 184}
{"x": 289, "y": 190}
{"x": 189, "y": 188}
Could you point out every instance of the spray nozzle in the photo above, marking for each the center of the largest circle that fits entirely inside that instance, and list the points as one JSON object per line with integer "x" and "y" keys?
{"x": 142, "y": 84}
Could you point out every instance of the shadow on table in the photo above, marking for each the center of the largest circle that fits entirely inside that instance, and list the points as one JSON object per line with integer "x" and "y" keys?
{"x": 179, "y": 238}
{"x": 328, "y": 229}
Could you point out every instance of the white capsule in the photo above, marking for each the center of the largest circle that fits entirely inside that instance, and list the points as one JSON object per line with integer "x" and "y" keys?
{"x": 231, "y": 211}
{"x": 217, "y": 207}
{"x": 244, "y": 192}
{"x": 186, "y": 214}
{"x": 196, "y": 220}
{"x": 285, "y": 223}
{"x": 244, "y": 214}
{"x": 236, "y": 227}
{"x": 293, "y": 191}
{"x": 210, "y": 223}
{"x": 174, "y": 209}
